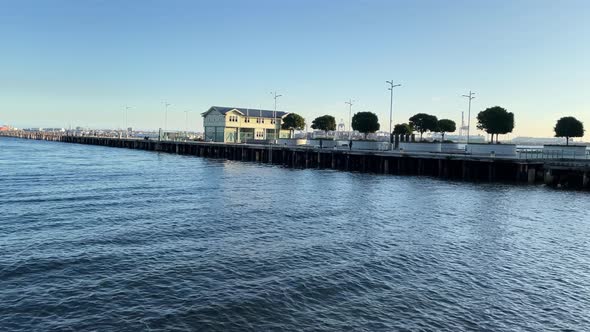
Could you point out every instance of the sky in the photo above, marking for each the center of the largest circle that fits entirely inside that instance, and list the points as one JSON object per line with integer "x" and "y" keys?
{"x": 81, "y": 63}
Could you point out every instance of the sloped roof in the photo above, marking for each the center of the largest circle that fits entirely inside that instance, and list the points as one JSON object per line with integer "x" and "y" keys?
{"x": 246, "y": 111}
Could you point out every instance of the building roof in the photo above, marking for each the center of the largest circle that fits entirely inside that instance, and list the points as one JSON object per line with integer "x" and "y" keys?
{"x": 246, "y": 111}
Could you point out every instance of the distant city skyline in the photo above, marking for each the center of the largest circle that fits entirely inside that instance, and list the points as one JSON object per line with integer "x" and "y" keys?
{"x": 68, "y": 63}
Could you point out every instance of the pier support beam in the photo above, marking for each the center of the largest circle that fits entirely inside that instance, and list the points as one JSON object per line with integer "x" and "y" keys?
{"x": 531, "y": 175}
{"x": 464, "y": 170}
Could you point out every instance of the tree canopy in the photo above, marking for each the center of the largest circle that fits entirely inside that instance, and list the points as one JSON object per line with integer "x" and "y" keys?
{"x": 324, "y": 122}
{"x": 423, "y": 122}
{"x": 365, "y": 122}
{"x": 293, "y": 121}
{"x": 446, "y": 126}
{"x": 402, "y": 129}
{"x": 569, "y": 127}
{"x": 495, "y": 120}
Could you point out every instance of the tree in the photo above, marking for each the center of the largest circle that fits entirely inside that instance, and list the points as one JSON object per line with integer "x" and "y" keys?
{"x": 446, "y": 126}
{"x": 365, "y": 122}
{"x": 423, "y": 122}
{"x": 293, "y": 121}
{"x": 495, "y": 120}
{"x": 402, "y": 129}
{"x": 324, "y": 122}
{"x": 569, "y": 127}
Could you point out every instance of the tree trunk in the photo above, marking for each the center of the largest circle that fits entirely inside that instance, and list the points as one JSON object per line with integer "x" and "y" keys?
{"x": 443, "y": 137}
{"x": 567, "y": 140}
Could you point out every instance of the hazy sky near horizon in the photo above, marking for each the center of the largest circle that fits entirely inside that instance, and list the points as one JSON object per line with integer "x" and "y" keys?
{"x": 80, "y": 63}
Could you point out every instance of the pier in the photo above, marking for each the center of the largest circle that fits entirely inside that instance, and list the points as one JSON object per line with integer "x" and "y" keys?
{"x": 457, "y": 166}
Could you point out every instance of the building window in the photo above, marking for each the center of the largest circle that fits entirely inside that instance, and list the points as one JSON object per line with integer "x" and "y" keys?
{"x": 258, "y": 120}
{"x": 247, "y": 120}
{"x": 233, "y": 118}
{"x": 272, "y": 121}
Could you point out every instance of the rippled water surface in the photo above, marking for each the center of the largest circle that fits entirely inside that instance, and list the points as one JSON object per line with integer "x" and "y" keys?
{"x": 107, "y": 239}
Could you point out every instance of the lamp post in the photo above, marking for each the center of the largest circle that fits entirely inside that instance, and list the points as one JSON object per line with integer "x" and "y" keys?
{"x": 166, "y": 115}
{"x": 471, "y": 97}
{"x": 274, "y": 122}
{"x": 275, "y": 97}
{"x": 391, "y": 86}
{"x": 126, "y": 125}
{"x": 349, "y": 103}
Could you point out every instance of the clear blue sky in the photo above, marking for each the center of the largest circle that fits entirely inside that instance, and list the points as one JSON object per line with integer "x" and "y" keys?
{"x": 81, "y": 62}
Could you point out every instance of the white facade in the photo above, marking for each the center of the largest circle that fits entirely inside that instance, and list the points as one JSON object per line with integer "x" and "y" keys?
{"x": 239, "y": 125}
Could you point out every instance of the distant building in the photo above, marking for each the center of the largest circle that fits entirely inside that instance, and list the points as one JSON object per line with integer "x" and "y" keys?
{"x": 4, "y": 128}
{"x": 237, "y": 125}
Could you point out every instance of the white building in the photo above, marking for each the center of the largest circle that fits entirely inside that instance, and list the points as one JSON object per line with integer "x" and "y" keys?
{"x": 238, "y": 125}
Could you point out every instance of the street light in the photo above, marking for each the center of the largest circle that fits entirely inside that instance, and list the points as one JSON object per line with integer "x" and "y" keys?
{"x": 126, "y": 126}
{"x": 349, "y": 103}
{"x": 391, "y": 86}
{"x": 275, "y": 96}
{"x": 273, "y": 121}
{"x": 471, "y": 97}
{"x": 166, "y": 115}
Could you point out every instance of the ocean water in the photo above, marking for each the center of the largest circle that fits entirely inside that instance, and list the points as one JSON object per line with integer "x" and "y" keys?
{"x": 106, "y": 239}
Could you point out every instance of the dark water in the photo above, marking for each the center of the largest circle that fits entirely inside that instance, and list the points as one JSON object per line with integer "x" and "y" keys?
{"x": 107, "y": 239}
